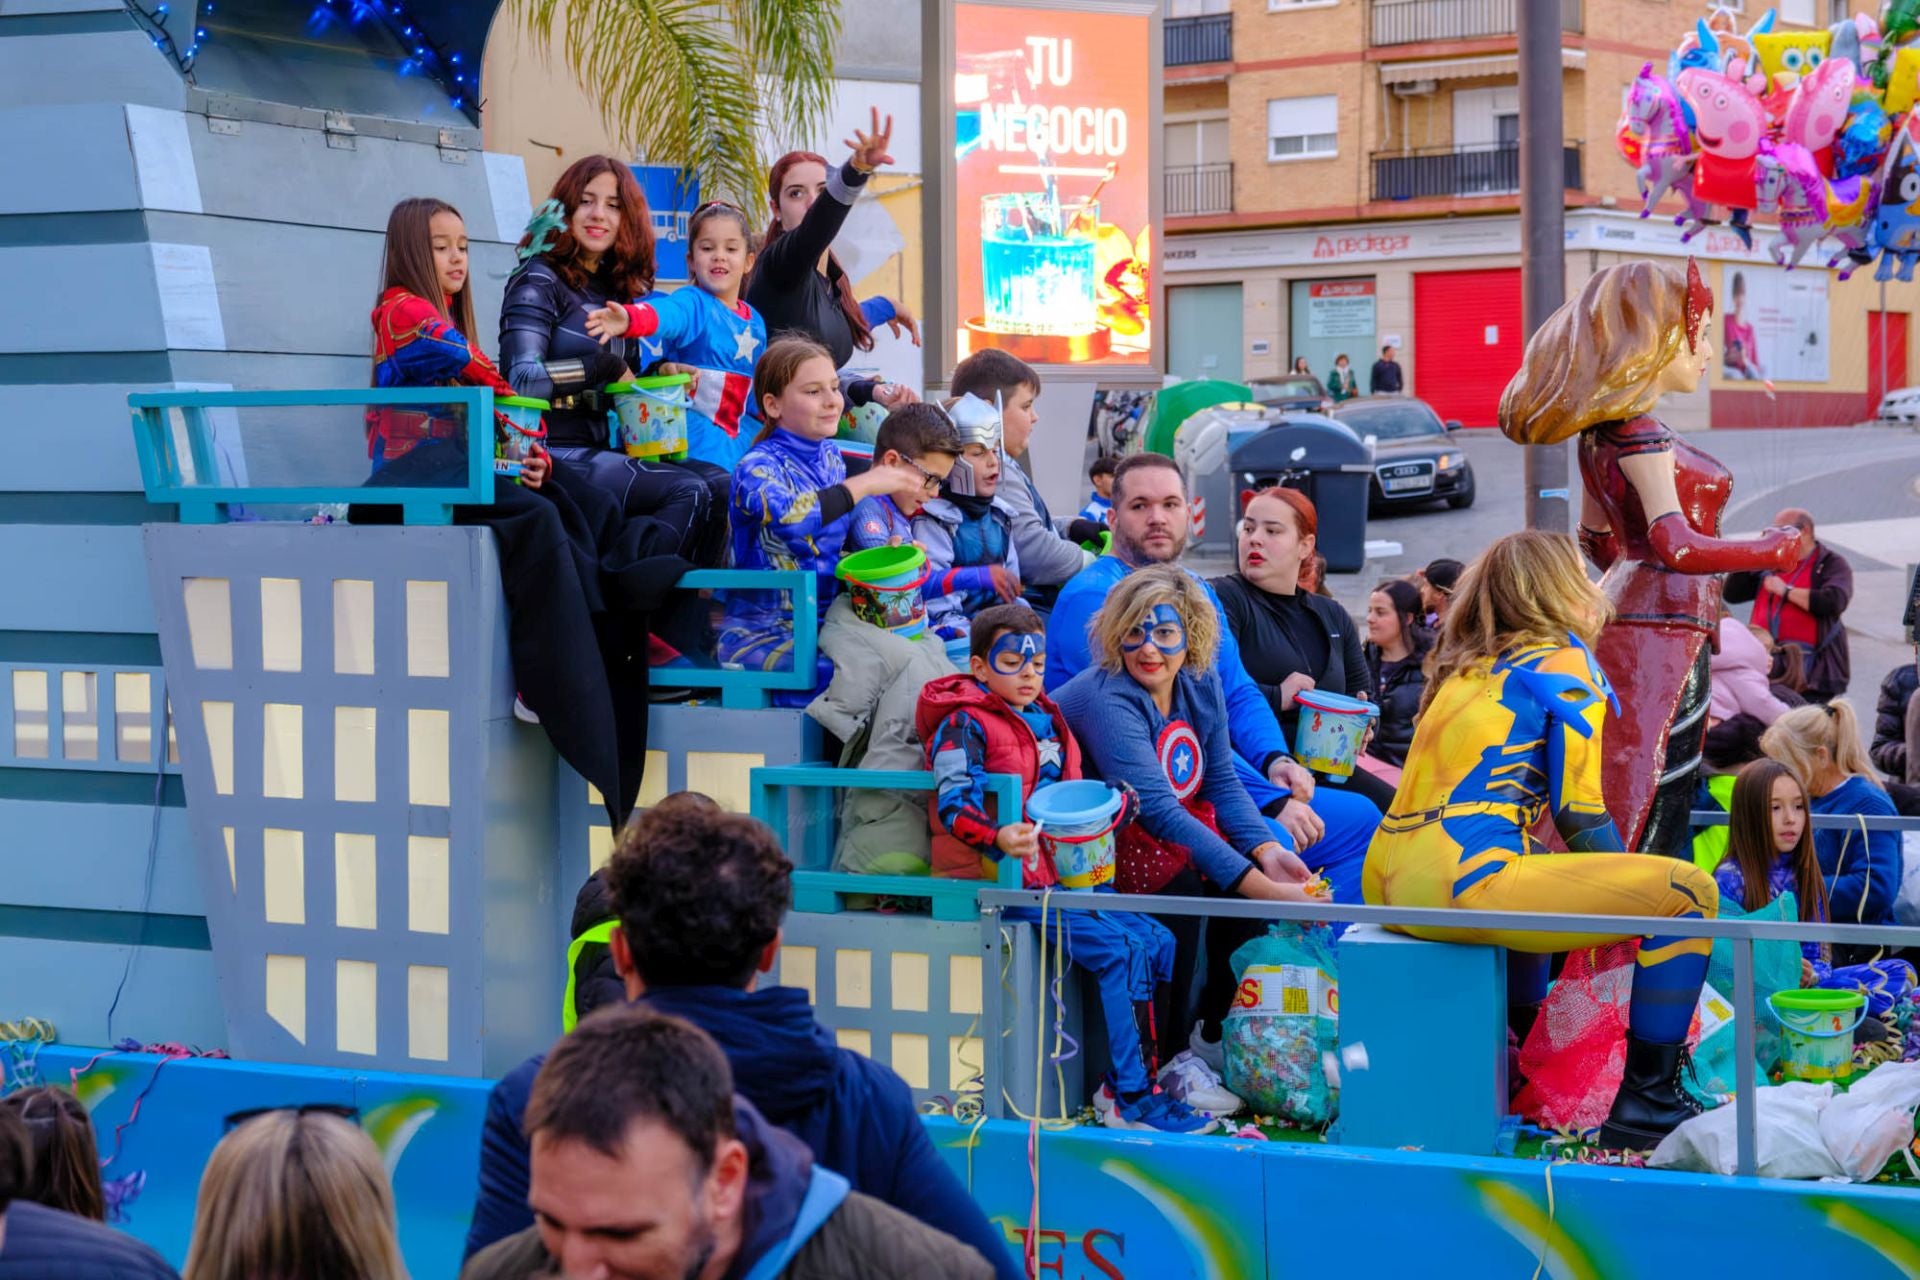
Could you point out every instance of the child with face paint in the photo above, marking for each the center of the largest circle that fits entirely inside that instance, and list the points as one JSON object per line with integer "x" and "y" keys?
{"x": 996, "y": 719}
{"x": 968, "y": 531}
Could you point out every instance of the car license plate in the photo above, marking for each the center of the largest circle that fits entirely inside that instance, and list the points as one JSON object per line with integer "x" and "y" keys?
{"x": 1401, "y": 484}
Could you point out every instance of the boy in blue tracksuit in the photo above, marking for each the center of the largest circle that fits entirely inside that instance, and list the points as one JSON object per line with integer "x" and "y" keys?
{"x": 917, "y": 437}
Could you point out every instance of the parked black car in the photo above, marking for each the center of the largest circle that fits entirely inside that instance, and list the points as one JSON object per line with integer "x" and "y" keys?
{"x": 1296, "y": 393}
{"x": 1416, "y": 457}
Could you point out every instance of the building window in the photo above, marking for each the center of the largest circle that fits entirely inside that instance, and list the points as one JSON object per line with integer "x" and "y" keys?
{"x": 1303, "y": 128}
{"x": 1197, "y": 8}
{"x": 1797, "y": 12}
{"x": 1195, "y": 142}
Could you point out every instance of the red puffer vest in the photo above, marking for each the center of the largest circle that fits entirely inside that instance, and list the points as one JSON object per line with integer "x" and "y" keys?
{"x": 1011, "y": 748}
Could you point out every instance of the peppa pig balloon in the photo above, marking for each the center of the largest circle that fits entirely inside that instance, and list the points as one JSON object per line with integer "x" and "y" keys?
{"x": 1729, "y": 123}
{"x": 1817, "y": 108}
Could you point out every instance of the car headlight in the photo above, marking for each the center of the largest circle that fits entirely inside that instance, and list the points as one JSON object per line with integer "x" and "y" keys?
{"x": 1452, "y": 461}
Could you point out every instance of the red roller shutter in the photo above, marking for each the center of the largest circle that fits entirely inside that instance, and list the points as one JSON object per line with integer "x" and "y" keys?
{"x": 1457, "y": 369}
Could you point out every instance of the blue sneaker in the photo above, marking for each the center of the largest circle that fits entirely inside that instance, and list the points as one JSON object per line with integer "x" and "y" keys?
{"x": 1159, "y": 1112}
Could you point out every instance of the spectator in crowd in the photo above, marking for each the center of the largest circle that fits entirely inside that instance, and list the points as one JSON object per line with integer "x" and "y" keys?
{"x": 918, "y": 439}
{"x": 973, "y": 553}
{"x": 1804, "y": 607}
{"x": 1730, "y": 746}
{"x": 1741, "y": 670}
{"x": 1385, "y": 379}
{"x": 1896, "y": 736}
{"x": 1340, "y": 383}
{"x": 1100, "y": 475}
{"x": 295, "y": 1191}
{"x": 1328, "y": 826}
{"x": 1436, "y": 583}
{"x": 1396, "y": 652}
{"x": 1821, "y": 744}
{"x": 38, "y": 1242}
{"x": 700, "y": 895}
{"x": 66, "y": 1160}
{"x": 645, "y": 1164}
{"x": 1300, "y": 367}
{"x": 1291, "y": 638}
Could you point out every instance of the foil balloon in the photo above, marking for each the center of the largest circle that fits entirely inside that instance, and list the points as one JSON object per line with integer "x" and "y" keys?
{"x": 1667, "y": 156}
{"x": 1730, "y": 122}
{"x": 1786, "y": 56}
{"x": 1809, "y": 207}
{"x": 1863, "y": 139}
{"x": 1896, "y": 223}
{"x": 1817, "y": 108}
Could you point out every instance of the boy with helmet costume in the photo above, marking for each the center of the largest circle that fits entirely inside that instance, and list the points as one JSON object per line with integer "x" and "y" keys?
{"x": 968, "y": 531}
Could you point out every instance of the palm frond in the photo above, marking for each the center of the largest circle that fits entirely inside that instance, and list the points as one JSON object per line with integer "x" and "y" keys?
{"x": 699, "y": 84}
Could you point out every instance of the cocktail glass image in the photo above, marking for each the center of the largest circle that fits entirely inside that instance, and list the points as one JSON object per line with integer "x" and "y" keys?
{"x": 1037, "y": 263}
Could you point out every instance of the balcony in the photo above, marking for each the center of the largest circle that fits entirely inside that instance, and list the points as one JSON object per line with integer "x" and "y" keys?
{"x": 1198, "y": 189}
{"x": 1209, "y": 38}
{"x": 1426, "y": 21}
{"x": 1457, "y": 171}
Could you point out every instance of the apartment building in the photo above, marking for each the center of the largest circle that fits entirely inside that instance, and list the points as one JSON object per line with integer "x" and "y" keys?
{"x": 1343, "y": 174}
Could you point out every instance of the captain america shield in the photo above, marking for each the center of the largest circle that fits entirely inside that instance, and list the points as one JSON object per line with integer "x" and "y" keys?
{"x": 1179, "y": 752}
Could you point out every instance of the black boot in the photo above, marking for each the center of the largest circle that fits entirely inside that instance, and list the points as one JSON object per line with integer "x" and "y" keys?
{"x": 1651, "y": 1102}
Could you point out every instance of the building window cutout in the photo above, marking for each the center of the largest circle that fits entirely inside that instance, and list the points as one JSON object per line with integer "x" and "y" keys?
{"x": 356, "y": 1006}
{"x": 963, "y": 985}
{"x": 428, "y": 652}
{"x": 173, "y": 738}
{"x": 429, "y": 884}
{"x": 907, "y": 1055}
{"x": 599, "y": 846}
{"x": 31, "y": 736}
{"x": 427, "y": 765}
{"x": 858, "y": 1039}
{"x": 355, "y": 896}
{"x": 966, "y": 1060}
{"x": 908, "y": 990}
{"x": 653, "y": 780}
{"x": 209, "y": 603}
{"x": 354, "y": 746}
{"x": 724, "y": 776}
{"x": 233, "y": 869}
{"x": 352, "y": 627}
{"x": 1303, "y": 128}
{"x": 279, "y": 624}
{"x": 287, "y": 994}
{"x": 427, "y": 1012}
{"x": 282, "y": 751}
{"x": 799, "y": 967}
{"x": 853, "y": 979}
{"x": 133, "y": 717}
{"x": 283, "y": 861}
{"x": 217, "y": 717}
{"x": 80, "y": 715}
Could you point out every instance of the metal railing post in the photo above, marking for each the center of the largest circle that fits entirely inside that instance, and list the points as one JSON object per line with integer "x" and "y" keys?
{"x": 1744, "y": 1109}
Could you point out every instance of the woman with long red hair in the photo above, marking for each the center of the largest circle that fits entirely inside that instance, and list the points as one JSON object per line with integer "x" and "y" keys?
{"x": 591, "y": 243}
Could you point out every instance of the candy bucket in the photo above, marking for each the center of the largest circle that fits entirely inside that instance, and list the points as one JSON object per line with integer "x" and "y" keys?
{"x": 650, "y": 416}
{"x": 1077, "y": 821}
{"x": 959, "y": 651}
{"x": 883, "y": 584}
{"x": 1817, "y": 1032}
{"x": 1332, "y": 727}
{"x": 517, "y": 428}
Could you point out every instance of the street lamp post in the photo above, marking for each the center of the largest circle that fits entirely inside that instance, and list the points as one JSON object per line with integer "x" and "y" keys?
{"x": 1543, "y": 274}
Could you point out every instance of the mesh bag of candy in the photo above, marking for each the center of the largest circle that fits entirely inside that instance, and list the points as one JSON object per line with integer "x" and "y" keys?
{"x": 1285, "y": 1016}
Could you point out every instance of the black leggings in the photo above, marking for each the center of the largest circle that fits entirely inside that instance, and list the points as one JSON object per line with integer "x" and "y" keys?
{"x": 1224, "y": 936}
{"x": 690, "y": 496}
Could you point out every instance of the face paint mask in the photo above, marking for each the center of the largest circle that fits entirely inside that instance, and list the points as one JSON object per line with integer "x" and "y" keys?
{"x": 1011, "y": 653}
{"x": 1162, "y": 628}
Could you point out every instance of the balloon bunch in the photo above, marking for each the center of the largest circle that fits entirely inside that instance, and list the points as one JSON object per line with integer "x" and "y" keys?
{"x": 1812, "y": 128}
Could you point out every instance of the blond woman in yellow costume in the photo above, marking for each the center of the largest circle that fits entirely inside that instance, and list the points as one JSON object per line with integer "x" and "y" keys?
{"x": 1511, "y": 730}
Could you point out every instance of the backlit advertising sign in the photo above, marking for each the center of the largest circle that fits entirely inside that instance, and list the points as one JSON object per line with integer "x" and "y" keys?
{"x": 1053, "y": 182}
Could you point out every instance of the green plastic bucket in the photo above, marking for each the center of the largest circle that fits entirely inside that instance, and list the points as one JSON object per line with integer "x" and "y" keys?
{"x": 883, "y": 585}
{"x": 517, "y": 428}
{"x": 650, "y": 415}
{"x": 1817, "y": 1031}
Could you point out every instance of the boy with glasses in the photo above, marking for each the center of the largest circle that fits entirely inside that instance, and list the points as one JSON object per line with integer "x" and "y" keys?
{"x": 915, "y": 437}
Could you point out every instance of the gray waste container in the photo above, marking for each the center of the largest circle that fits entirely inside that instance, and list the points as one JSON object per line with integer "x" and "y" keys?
{"x": 1202, "y": 448}
{"x": 1323, "y": 460}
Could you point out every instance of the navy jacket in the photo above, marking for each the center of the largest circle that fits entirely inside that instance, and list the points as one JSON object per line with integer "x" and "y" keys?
{"x": 1863, "y": 872}
{"x": 856, "y": 1116}
{"x": 41, "y": 1243}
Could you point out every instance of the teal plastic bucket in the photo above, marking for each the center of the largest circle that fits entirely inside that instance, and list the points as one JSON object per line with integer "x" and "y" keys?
{"x": 1076, "y": 820}
{"x": 883, "y": 585}
{"x": 650, "y": 416}
{"x": 1332, "y": 727}
{"x": 1817, "y": 1025}
{"x": 517, "y": 428}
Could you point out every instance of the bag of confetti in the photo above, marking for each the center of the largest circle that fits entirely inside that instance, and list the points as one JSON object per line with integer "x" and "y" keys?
{"x": 1285, "y": 1017}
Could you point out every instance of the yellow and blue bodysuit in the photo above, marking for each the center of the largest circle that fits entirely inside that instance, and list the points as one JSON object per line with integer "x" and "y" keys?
{"x": 1502, "y": 743}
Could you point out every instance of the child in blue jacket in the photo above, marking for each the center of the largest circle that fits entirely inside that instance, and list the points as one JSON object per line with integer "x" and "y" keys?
{"x": 968, "y": 531}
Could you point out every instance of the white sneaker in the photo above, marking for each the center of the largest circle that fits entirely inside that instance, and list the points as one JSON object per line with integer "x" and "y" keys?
{"x": 522, "y": 712}
{"x": 1211, "y": 1052}
{"x": 1193, "y": 1082}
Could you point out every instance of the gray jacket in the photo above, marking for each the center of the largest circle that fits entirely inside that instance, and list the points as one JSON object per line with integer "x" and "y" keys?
{"x": 1046, "y": 558}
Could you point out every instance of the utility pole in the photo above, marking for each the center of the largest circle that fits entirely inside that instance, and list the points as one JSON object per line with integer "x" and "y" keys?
{"x": 1543, "y": 272}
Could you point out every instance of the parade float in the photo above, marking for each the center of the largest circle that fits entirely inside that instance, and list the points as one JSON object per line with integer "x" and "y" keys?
{"x": 274, "y": 837}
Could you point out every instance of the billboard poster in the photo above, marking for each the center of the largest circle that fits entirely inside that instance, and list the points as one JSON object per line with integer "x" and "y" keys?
{"x": 1340, "y": 309}
{"x": 1773, "y": 324}
{"x": 1053, "y": 182}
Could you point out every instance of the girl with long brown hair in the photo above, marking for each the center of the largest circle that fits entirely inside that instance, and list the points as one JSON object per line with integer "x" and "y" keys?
{"x": 1512, "y": 731}
{"x": 1649, "y": 519}
{"x": 66, "y": 1159}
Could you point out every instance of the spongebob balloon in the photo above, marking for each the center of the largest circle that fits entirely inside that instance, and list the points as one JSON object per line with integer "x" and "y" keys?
{"x": 1785, "y": 56}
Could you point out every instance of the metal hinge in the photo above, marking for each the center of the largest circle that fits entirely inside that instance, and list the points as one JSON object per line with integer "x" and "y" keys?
{"x": 218, "y": 121}
{"x": 451, "y": 152}
{"x": 340, "y": 132}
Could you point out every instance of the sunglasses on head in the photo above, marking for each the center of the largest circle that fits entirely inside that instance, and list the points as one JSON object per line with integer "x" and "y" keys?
{"x": 235, "y": 1119}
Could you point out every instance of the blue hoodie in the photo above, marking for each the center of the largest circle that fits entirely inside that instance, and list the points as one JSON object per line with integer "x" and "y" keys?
{"x": 856, "y": 1116}
{"x": 1863, "y": 877}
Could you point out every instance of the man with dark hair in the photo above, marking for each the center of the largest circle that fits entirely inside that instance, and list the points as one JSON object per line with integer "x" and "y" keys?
{"x": 919, "y": 438}
{"x": 700, "y": 895}
{"x": 1385, "y": 378}
{"x": 1804, "y": 607}
{"x": 645, "y": 1166}
{"x": 37, "y": 1242}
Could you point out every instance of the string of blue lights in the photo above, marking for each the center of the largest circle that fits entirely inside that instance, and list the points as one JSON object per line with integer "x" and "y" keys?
{"x": 154, "y": 22}
{"x": 451, "y": 69}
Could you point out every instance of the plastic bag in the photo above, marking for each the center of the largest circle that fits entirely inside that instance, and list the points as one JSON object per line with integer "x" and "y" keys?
{"x": 1577, "y": 1051}
{"x": 1871, "y": 1122}
{"x": 1787, "y": 1141}
{"x": 1776, "y": 967}
{"x": 1285, "y": 1016}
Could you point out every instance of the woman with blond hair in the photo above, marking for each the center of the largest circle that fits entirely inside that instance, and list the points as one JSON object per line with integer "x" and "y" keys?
{"x": 1821, "y": 744}
{"x": 295, "y": 1194}
{"x": 1649, "y": 518}
{"x": 1511, "y": 731}
{"x": 1151, "y": 714}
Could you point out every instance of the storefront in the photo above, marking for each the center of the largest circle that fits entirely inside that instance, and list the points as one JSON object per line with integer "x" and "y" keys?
{"x": 1447, "y": 294}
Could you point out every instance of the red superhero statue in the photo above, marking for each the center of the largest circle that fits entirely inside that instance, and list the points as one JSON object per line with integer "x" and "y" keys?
{"x": 1649, "y": 518}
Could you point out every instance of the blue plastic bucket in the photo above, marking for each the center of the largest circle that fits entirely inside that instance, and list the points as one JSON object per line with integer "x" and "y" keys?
{"x": 1077, "y": 820}
{"x": 517, "y": 428}
{"x": 1332, "y": 727}
{"x": 1816, "y": 1041}
{"x": 650, "y": 416}
{"x": 883, "y": 585}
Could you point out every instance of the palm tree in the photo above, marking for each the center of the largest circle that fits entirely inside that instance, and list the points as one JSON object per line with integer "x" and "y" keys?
{"x": 699, "y": 83}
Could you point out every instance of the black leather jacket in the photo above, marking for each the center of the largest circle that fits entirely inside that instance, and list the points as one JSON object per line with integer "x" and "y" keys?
{"x": 1398, "y": 695}
{"x": 547, "y": 354}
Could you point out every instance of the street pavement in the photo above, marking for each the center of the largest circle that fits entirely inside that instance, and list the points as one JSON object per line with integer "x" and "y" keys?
{"x": 1862, "y": 485}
